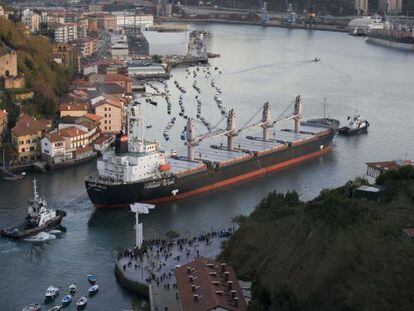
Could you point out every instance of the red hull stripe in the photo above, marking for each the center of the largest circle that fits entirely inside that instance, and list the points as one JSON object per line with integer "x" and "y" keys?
{"x": 231, "y": 181}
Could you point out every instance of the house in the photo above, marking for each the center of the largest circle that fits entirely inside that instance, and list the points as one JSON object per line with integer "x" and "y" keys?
{"x": 67, "y": 144}
{"x": 73, "y": 109}
{"x": 204, "y": 284}
{"x": 110, "y": 108}
{"x": 375, "y": 169}
{"x": 31, "y": 20}
{"x": 26, "y": 137}
{"x": 121, "y": 80}
{"x": 87, "y": 46}
{"x": 3, "y": 124}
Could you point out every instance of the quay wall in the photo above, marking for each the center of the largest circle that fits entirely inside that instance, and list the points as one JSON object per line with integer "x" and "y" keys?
{"x": 254, "y": 23}
{"x": 136, "y": 287}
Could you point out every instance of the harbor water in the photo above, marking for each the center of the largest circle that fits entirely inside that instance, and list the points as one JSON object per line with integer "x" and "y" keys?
{"x": 258, "y": 64}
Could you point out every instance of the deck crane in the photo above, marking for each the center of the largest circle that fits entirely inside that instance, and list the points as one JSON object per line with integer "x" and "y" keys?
{"x": 230, "y": 131}
{"x": 311, "y": 19}
{"x": 264, "y": 17}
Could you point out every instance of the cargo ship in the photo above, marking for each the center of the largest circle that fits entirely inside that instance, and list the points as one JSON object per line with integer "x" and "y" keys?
{"x": 137, "y": 170}
{"x": 398, "y": 39}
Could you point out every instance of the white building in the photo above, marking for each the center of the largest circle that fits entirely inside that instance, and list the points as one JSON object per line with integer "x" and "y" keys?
{"x": 66, "y": 33}
{"x": 167, "y": 39}
{"x": 119, "y": 45}
{"x": 153, "y": 70}
{"x": 31, "y": 20}
{"x": 70, "y": 141}
{"x": 129, "y": 19}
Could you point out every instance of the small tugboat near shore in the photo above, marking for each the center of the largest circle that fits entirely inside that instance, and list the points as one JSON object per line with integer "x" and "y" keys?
{"x": 39, "y": 218}
{"x": 356, "y": 125}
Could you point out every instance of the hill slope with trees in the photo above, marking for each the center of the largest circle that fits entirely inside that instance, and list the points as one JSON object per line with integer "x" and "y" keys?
{"x": 47, "y": 78}
{"x": 332, "y": 253}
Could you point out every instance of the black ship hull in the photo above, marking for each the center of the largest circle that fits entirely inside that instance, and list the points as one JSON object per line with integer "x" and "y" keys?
{"x": 171, "y": 188}
{"x": 20, "y": 232}
{"x": 350, "y": 132}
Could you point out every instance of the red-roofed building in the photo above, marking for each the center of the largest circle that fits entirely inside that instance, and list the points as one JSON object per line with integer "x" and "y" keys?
{"x": 375, "y": 169}
{"x": 110, "y": 108}
{"x": 69, "y": 142}
{"x": 26, "y": 137}
{"x": 122, "y": 80}
{"x": 205, "y": 284}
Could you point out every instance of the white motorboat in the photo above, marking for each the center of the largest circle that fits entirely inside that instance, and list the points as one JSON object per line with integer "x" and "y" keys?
{"x": 51, "y": 292}
{"x": 82, "y": 302}
{"x": 72, "y": 289}
{"x": 93, "y": 290}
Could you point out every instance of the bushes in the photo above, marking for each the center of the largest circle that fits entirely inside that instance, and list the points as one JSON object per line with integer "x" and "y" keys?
{"x": 333, "y": 253}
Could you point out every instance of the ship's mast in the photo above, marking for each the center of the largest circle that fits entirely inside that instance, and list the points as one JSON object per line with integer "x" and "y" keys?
{"x": 298, "y": 113}
{"x": 231, "y": 129}
{"x": 190, "y": 139}
{"x": 266, "y": 121}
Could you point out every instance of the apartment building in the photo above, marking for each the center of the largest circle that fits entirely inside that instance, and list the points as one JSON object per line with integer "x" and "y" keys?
{"x": 26, "y": 137}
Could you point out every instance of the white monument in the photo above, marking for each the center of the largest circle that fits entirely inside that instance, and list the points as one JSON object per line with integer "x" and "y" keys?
{"x": 140, "y": 208}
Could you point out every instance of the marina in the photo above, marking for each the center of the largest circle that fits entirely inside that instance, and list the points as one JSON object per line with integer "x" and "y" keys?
{"x": 95, "y": 237}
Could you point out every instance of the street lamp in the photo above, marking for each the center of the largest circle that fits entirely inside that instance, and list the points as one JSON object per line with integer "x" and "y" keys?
{"x": 139, "y": 208}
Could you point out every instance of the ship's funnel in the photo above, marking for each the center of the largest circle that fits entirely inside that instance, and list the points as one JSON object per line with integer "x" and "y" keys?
{"x": 121, "y": 144}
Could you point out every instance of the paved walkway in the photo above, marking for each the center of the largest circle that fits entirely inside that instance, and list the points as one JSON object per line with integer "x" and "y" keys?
{"x": 155, "y": 267}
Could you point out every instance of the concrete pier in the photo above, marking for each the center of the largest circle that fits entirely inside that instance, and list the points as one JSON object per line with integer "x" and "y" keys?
{"x": 151, "y": 273}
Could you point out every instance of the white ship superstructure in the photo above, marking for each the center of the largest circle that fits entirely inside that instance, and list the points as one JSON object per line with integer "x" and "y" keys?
{"x": 133, "y": 159}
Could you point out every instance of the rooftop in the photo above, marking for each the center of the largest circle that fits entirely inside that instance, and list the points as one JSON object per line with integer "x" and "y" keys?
{"x": 205, "y": 284}
{"x": 28, "y": 125}
{"x": 92, "y": 117}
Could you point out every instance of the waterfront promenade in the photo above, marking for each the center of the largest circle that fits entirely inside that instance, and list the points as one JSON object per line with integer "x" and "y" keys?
{"x": 151, "y": 273}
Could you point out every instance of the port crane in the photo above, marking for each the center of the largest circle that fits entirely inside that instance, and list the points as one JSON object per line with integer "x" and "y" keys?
{"x": 231, "y": 131}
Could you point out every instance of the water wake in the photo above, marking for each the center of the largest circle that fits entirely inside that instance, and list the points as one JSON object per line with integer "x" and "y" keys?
{"x": 41, "y": 237}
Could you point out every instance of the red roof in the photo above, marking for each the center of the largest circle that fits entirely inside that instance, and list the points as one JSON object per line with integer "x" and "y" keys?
{"x": 28, "y": 125}
{"x": 112, "y": 77}
{"x": 92, "y": 116}
{"x": 388, "y": 165}
{"x": 205, "y": 284}
{"x": 110, "y": 100}
{"x": 409, "y": 232}
{"x": 73, "y": 107}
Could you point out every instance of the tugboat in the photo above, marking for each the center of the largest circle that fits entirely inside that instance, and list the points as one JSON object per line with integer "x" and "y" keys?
{"x": 39, "y": 218}
{"x": 356, "y": 125}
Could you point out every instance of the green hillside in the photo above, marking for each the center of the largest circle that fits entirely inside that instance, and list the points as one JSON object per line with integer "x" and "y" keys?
{"x": 43, "y": 75}
{"x": 333, "y": 253}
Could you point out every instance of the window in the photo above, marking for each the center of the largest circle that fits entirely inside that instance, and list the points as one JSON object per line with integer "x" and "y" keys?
{"x": 23, "y": 150}
{"x": 105, "y": 115}
{"x": 105, "y": 127}
{"x": 31, "y": 148}
{"x": 109, "y": 109}
{"x": 105, "y": 110}
{"x": 105, "y": 121}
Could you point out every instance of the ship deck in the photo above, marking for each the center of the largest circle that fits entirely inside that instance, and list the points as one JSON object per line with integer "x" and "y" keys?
{"x": 245, "y": 147}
